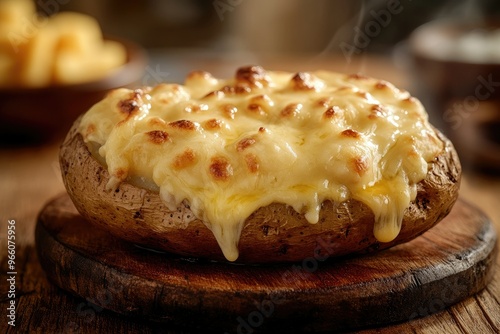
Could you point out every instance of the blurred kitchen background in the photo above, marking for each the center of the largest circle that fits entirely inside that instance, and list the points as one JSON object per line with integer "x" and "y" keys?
{"x": 278, "y": 26}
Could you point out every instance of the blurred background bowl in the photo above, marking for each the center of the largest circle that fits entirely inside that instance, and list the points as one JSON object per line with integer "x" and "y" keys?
{"x": 458, "y": 68}
{"x": 37, "y": 115}
{"x": 450, "y": 58}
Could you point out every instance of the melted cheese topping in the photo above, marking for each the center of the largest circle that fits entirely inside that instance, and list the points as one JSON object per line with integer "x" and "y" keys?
{"x": 229, "y": 147}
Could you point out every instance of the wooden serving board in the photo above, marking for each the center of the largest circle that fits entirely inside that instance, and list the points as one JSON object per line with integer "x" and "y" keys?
{"x": 450, "y": 262}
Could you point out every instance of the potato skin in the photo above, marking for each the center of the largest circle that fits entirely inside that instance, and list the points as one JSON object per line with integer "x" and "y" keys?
{"x": 275, "y": 233}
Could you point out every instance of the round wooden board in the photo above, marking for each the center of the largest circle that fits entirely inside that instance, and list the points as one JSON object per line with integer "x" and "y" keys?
{"x": 450, "y": 262}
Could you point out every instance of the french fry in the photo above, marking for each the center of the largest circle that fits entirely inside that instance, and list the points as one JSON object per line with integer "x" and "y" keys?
{"x": 13, "y": 13}
{"x": 17, "y": 24}
{"x": 39, "y": 58}
{"x": 70, "y": 69}
{"x": 67, "y": 48}
{"x": 6, "y": 70}
{"x": 79, "y": 34}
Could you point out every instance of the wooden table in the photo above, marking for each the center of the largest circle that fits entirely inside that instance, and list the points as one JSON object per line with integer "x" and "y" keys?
{"x": 29, "y": 177}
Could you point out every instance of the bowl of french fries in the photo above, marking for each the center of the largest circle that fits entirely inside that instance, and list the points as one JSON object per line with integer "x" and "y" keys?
{"x": 54, "y": 68}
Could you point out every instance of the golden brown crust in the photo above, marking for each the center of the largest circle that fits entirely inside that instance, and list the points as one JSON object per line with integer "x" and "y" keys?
{"x": 275, "y": 233}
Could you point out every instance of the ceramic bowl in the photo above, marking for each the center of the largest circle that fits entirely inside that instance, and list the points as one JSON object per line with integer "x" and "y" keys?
{"x": 458, "y": 67}
{"x": 33, "y": 115}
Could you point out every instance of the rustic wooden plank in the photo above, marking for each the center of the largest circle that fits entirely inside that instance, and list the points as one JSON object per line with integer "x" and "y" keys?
{"x": 29, "y": 178}
{"x": 489, "y": 307}
{"x": 441, "y": 322}
{"x": 44, "y": 308}
{"x": 471, "y": 317}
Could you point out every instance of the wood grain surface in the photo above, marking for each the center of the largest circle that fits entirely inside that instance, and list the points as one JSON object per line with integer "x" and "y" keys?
{"x": 449, "y": 263}
{"x": 29, "y": 178}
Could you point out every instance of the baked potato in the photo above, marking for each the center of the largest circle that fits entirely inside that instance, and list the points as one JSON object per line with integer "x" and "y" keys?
{"x": 276, "y": 232}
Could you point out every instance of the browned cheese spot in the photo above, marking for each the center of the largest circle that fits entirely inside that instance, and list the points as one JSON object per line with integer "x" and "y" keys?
{"x": 324, "y": 102}
{"x": 245, "y": 143}
{"x": 291, "y": 110}
{"x": 131, "y": 105}
{"x": 408, "y": 139}
{"x": 220, "y": 168}
{"x": 90, "y": 129}
{"x": 357, "y": 76}
{"x": 350, "y": 133}
{"x": 363, "y": 95}
{"x": 121, "y": 173}
{"x": 359, "y": 165}
{"x": 255, "y": 76}
{"x": 175, "y": 88}
{"x": 227, "y": 89}
{"x": 410, "y": 100}
{"x": 183, "y": 160}
{"x": 260, "y": 104}
{"x": 303, "y": 81}
{"x": 229, "y": 110}
{"x": 157, "y": 136}
{"x": 377, "y": 111}
{"x": 128, "y": 106}
{"x": 255, "y": 108}
{"x": 183, "y": 124}
{"x": 197, "y": 75}
{"x": 192, "y": 108}
{"x": 216, "y": 94}
{"x": 239, "y": 88}
{"x": 412, "y": 153}
{"x": 242, "y": 89}
{"x": 212, "y": 124}
{"x": 156, "y": 121}
{"x": 262, "y": 129}
{"x": 382, "y": 84}
{"x": 330, "y": 112}
{"x": 261, "y": 99}
{"x": 252, "y": 163}
{"x": 164, "y": 100}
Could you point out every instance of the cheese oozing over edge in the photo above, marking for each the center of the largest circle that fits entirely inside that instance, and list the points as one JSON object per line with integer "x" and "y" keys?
{"x": 231, "y": 146}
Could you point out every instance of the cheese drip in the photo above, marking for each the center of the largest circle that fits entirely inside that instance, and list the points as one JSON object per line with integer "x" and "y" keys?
{"x": 228, "y": 147}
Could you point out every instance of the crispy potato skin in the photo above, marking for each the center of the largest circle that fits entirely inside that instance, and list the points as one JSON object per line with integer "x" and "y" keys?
{"x": 275, "y": 233}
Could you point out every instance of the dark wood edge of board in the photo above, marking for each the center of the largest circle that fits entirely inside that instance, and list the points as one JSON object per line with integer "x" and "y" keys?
{"x": 259, "y": 307}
